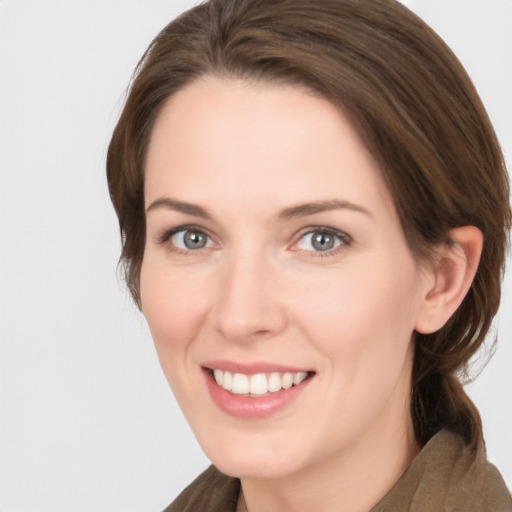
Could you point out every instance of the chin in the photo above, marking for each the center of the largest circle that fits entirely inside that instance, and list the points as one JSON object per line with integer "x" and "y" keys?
{"x": 250, "y": 457}
{"x": 249, "y": 468}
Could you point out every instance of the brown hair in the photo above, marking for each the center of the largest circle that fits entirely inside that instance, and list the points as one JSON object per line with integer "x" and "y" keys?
{"x": 412, "y": 103}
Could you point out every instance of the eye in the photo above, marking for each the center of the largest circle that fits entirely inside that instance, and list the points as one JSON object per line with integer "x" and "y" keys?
{"x": 190, "y": 239}
{"x": 322, "y": 240}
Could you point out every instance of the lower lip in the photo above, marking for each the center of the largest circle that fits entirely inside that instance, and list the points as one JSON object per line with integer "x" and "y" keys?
{"x": 252, "y": 408}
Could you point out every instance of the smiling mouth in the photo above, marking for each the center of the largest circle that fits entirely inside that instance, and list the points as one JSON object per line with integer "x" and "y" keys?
{"x": 258, "y": 384}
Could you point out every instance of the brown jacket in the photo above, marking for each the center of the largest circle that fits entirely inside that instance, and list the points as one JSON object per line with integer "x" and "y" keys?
{"x": 446, "y": 476}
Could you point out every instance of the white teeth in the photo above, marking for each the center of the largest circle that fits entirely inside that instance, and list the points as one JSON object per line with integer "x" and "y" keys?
{"x": 274, "y": 382}
{"x": 258, "y": 384}
{"x": 227, "y": 381}
{"x": 240, "y": 384}
{"x": 299, "y": 377}
{"x": 287, "y": 380}
{"x": 218, "y": 376}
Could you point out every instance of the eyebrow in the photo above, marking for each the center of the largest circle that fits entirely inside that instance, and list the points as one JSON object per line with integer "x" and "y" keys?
{"x": 288, "y": 213}
{"x": 302, "y": 210}
{"x": 179, "y": 206}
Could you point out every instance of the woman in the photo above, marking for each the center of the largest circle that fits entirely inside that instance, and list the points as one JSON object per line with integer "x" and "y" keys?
{"x": 314, "y": 212}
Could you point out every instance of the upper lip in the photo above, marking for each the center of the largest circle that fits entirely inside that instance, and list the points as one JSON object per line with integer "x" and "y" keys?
{"x": 252, "y": 368}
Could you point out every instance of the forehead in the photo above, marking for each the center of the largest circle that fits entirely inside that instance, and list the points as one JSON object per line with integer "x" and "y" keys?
{"x": 219, "y": 139}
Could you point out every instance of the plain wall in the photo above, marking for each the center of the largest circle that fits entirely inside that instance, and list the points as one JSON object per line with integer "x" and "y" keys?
{"x": 87, "y": 422}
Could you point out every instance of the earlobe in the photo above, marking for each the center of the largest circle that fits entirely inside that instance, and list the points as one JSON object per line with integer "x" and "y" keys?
{"x": 453, "y": 272}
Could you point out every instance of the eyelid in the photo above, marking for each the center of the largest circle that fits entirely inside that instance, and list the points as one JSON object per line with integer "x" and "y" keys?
{"x": 345, "y": 239}
{"x": 165, "y": 235}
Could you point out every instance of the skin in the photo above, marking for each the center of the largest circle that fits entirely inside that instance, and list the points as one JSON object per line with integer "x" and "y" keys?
{"x": 259, "y": 291}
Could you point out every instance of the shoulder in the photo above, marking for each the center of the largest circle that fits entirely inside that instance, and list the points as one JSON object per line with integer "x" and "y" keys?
{"x": 211, "y": 491}
{"x": 447, "y": 475}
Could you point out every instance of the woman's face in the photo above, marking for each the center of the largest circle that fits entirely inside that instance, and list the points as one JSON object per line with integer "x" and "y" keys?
{"x": 274, "y": 258}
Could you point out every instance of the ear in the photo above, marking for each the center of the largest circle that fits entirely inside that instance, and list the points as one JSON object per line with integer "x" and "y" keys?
{"x": 452, "y": 273}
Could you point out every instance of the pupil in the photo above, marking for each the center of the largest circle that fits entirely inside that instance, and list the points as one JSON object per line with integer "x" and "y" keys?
{"x": 194, "y": 240}
{"x": 323, "y": 241}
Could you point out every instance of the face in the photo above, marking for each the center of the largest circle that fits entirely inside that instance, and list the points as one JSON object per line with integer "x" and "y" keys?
{"x": 279, "y": 289}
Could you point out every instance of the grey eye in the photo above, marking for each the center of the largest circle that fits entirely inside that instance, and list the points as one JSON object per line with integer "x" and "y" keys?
{"x": 319, "y": 241}
{"x": 188, "y": 239}
{"x": 322, "y": 241}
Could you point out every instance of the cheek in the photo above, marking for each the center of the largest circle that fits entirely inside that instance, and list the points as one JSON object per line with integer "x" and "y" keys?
{"x": 365, "y": 314}
{"x": 362, "y": 325}
{"x": 172, "y": 307}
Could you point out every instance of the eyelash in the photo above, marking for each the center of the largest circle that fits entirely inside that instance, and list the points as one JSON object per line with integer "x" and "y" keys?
{"x": 344, "y": 239}
{"x": 166, "y": 236}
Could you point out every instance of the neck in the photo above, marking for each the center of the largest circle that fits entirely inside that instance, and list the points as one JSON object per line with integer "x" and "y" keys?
{"x": 352, "y": 481}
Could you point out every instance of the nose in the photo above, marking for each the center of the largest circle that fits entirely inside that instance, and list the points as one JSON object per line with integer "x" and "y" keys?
{"x": 249, "y": 304}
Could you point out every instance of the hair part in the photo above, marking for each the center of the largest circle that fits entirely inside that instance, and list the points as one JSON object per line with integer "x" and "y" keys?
{"x": 414, "y": 107}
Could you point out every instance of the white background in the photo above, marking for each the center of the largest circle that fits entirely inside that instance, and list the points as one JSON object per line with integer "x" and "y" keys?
{"x": 87, "y": 422}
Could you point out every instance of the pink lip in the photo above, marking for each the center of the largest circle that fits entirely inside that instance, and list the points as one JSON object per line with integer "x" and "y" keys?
{"x": 249, "y": 408}
{"x": 250, "y": 368}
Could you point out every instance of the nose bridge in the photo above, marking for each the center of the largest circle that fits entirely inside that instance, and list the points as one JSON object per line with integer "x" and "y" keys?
{"x": 248, "y": 305}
